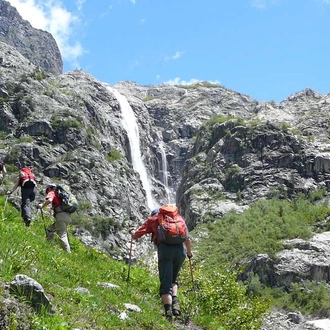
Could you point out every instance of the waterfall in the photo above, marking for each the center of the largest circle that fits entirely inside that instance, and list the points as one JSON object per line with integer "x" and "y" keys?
{"x": 164, "y": 171}
{"x": 130, "y": 125}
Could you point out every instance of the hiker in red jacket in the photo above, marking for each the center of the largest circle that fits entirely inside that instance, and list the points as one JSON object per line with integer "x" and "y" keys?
{"x": 170, "y": 261}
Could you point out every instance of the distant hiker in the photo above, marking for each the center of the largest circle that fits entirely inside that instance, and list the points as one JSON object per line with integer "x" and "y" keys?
{"x": 3, "y": 171}
{"x": 26, "y": 180}
{"x": 62, "y": 219}
{"x": 171, "y": 255}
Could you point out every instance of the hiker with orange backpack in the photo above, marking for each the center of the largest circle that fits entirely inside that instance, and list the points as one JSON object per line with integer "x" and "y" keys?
{"x": 27, "y": 182}
{"x": 172, "y": 248}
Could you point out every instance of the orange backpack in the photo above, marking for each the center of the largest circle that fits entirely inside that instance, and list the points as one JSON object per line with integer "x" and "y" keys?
{"x": 172, "y": 227}
{"x": 27, "y": 178}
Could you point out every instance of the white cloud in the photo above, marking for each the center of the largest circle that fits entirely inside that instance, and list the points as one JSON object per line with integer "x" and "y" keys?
{"x": 51, "y": 16}
{"x": 79, "y": 4}
{"x": 173, "y": 57}
{"x": 193, "y": 81}
{"x": 260, "y": 4}
{"x": 133, "y": 2}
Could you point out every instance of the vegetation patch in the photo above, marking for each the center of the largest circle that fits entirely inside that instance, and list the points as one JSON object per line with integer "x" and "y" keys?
{"x": 261, "y": 229}
{"x": 60, "y": 274}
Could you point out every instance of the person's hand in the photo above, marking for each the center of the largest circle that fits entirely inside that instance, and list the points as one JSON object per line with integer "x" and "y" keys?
{"x": 189, "y": 255}
{"x": 39, "y": 206}
{"x": 9, "y": 192}
{"x": 131, "y": 230}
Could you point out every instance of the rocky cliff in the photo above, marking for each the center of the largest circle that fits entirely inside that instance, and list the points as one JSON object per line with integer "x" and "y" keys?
{"x": 36, "y": 45}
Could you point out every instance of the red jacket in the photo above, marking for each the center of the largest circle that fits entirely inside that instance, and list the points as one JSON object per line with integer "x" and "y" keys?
{"x": 53, "y": 198}
{"x": 148, "y": 227}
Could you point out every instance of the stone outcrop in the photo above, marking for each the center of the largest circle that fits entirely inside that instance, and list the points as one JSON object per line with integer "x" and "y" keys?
{"x": 32, "y": 291}
{"x": 36, "y": 45}
{"x": 300, "y": 261}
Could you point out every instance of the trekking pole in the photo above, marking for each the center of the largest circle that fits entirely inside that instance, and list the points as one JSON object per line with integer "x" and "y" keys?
{"x": 192, "y": 274}
{"x": 130, "y": 259}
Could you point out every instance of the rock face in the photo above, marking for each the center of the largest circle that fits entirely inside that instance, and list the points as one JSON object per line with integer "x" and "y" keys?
{"x": 300, "y": 261}
{"x": 36, "y": 45}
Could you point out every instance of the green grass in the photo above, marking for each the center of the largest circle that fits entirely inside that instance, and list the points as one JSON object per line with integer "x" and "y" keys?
{"x": 24, "y": 250}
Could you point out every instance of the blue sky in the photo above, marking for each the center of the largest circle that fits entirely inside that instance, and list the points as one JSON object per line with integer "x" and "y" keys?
{"x": 267, "y": 49}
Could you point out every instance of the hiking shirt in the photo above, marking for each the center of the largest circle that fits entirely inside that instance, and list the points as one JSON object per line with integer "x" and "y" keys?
{"x": 54, "y": 199}
{"x": 148, "y": 227}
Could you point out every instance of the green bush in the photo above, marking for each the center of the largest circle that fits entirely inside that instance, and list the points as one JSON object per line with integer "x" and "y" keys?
{"x": 63, "y": 123}
{"x": 148, "y": 98}
{"x": 114, "y": 155}
{"x": 220, "y": 302}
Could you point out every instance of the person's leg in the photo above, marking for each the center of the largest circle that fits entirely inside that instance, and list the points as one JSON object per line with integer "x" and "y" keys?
{"x": 62, "y": 221}
{"x": 175, "y": 302}
{"x": 25, "y": 206}
{"x": 33, "y": 194}
{"x": 165, "y": 270}
{"x": 50, "y": 232}
{"x": 179, "y": 258}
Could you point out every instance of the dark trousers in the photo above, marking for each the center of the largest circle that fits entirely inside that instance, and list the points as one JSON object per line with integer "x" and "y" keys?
{"x": 28, "y": 196}
{"x": 170, "y": 260}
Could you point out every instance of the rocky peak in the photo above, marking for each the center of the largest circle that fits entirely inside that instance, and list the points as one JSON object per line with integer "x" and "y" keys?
{"x": 36, "y": 45}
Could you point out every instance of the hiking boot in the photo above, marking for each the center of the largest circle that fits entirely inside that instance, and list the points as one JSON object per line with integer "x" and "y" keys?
{"x": 27, "y": 222}
{"x": 169, "y": 315}
{"x": 176, "y": 309}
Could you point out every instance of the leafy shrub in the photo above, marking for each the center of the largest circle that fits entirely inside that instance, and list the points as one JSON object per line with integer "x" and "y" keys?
{"x": 219, "y": 119}
{"x": 114, "y": 155}
{"x": 148, "y": 98}
{"x": 220, "y": 302}
{"x": 63, "y": 123}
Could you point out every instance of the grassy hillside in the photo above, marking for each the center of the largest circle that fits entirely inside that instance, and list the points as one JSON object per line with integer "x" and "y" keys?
{"x": 213, "y": 300}
{"x": 262, "y": 229}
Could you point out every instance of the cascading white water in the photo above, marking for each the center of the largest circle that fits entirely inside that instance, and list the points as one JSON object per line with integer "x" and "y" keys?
{"x": 132, "y": 129}
{"x": 164, "y": 171}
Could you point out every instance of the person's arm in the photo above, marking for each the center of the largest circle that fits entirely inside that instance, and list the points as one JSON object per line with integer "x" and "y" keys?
{"x": 44, "y": 204}
{"x": 142, "y": 230}
{"x": 188, "y": 245}
{"x": 49, "y": 199}
{"x": 9, "y": 192}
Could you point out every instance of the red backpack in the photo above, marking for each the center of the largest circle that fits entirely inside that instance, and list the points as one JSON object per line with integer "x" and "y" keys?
{"x": 172, "y": 227}
{"x": 27, "y": 178}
